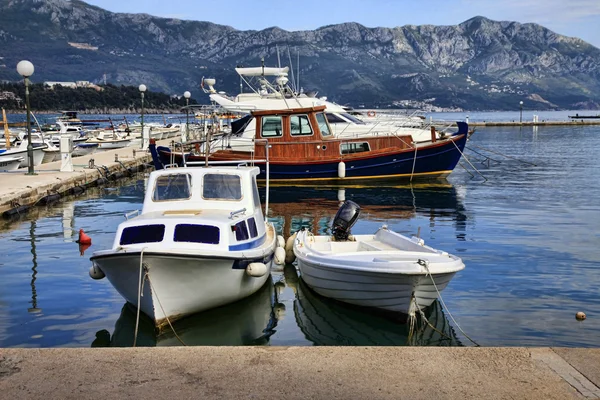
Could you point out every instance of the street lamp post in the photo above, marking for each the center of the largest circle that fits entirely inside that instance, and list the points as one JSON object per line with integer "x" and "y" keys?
{"x": 521, "y": 112}
{"x": 187, "y": 96}
{"x": 25, "y": 69}
{"x": 142, "y": 89}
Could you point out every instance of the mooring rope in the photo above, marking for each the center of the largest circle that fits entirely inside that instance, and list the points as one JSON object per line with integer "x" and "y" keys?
{"x": 137, "y": 317}
{"x": 467, "y": 160}
{"x": 425, "y": 264}
{"x": 414, "y": 162}
{"x": 504, "y": 155}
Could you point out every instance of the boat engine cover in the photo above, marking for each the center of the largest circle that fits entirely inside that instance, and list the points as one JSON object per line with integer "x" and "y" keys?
{"x": 344, "y": 220}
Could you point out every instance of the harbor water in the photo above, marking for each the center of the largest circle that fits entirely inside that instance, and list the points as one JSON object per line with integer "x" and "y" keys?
{"x": 525, "y": 224}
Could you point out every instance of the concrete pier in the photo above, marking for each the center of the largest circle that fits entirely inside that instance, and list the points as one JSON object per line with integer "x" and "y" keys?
{"x": 20, "y": 189}
{"x": 300, "y": 373}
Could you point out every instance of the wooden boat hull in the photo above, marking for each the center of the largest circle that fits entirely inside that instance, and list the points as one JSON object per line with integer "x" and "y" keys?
{"x": 433, "y": 161}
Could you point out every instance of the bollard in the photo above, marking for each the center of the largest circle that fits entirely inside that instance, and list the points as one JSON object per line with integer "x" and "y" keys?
{"x": 116, "y": 157}
{"x": 91, "y": 164}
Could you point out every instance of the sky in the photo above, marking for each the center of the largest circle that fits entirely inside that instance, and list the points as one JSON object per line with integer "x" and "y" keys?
{"x": 578, "y": 18}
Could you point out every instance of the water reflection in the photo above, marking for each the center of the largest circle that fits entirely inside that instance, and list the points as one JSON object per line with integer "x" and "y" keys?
{"x": 294, "y": 207}
{"x": 250, "y": 321}
{"x": 34, "y": 308}
{"x": 326, "y": 322}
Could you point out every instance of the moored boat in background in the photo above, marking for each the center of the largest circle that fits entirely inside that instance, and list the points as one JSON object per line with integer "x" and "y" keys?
{"x": 301, "y": 147}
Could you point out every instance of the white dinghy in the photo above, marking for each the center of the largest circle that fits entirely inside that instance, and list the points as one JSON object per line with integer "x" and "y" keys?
{"x": 386, "y": 270}
{"x": 200, "y": 242}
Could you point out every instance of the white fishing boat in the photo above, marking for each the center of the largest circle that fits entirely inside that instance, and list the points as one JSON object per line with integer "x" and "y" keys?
{"x": 10, "y": 163}
{"x": 385, "y": 270}
{"x": 83, "y": 149}
{"x": 21, "y": 152}
{"x": 200, "y": 242}
{"x": 110, "y": 141}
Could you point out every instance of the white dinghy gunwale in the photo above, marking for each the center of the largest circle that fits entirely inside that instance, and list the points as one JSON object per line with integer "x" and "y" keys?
{"x": 385, "y": 252}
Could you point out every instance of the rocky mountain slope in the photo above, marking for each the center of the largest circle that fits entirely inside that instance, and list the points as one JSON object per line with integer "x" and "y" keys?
{"x": 477, "y": 65}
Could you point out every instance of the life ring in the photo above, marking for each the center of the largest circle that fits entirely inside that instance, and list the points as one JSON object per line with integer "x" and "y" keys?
{"x": 371, "y": 114}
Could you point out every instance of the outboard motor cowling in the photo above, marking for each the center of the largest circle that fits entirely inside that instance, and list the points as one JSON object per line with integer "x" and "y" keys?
{"x": 344, "y": 220}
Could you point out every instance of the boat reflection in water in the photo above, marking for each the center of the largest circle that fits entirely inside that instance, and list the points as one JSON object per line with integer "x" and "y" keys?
{"x": 250, "y": 321}
{"x": 326, "y": 322}
{"x": 294, "y": 207}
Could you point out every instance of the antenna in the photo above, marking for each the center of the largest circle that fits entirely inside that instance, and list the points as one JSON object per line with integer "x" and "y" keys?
{"x": 294, "y": 88}
{"x": 298, "y": 66}
{"x": 278, "y": 59}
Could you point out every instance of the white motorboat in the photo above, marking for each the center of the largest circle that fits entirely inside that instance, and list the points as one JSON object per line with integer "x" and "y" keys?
{"x": 276, "y": 94}
{"x": 111, "y": 141}
{"x": 200, "y": 242}
{"x": 21, "y": 152}
{"x": 10, "y": 163}
{"x": 83, "y": 149}
{"x": 386, "y": 270}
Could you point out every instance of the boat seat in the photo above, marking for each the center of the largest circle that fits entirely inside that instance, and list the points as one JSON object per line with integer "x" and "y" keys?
{"x": 375, "y": 245}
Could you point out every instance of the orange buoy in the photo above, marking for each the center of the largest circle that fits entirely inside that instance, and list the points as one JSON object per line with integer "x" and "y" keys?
{"x": 83, "y": 238}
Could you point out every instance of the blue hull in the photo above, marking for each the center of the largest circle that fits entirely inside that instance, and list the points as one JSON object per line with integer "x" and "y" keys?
{"x": 434, "y": 161}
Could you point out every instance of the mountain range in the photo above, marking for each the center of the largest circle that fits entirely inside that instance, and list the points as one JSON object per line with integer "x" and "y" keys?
{"x": 479, "y": 64}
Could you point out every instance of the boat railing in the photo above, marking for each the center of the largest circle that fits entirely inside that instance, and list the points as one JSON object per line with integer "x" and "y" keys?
{"x": 132, "y": 213}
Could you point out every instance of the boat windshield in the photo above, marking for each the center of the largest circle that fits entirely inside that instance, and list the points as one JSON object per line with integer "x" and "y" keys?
{"x": 323, "y": 125}
{"x": 222, "y": 187}
{"x": 172, "y": 187}
{"x": 343, "y": 118}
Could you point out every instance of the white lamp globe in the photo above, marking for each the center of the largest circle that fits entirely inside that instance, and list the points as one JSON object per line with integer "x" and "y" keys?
{"x": 187, "y": 94}
{"x": 142, "y": 88}
{"x": 521, "y": 102}
{"x": 25, "y": 68}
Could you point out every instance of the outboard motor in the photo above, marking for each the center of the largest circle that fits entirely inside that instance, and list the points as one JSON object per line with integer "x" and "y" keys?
{"x": 344, "y": 220}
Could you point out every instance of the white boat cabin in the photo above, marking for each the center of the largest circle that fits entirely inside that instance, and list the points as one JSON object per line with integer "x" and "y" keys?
{"x": 203, "y": 209}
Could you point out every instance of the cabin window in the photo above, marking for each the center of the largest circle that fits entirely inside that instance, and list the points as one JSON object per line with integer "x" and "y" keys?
{"x": 300, "y": 126}
{"x": 196, "y": 234}
{"x": 142, "y": 234}
{"x": 221, "y": 187}
{"x": 271, "y": 126}
{"x": 241, "y": 231}
{"x": 354, "y": 147}
{"x": 252, "y": 227}
{"x": 323, "y": 125}
{"x": 172, "y": 187}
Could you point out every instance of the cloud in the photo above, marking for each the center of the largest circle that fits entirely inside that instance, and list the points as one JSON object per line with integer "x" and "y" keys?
{"x": 546, "y": 11}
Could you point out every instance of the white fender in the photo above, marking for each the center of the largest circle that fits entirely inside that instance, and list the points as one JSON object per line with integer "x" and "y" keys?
{"x": 256, "y": 269}
{"x": 279, "y": 311}
{"x": 96, "y": 272}
{"x": 289, "y": 249}
{"x": 279, "y": 256}
{"x": 289, "y": 244}
{"x": 342, "y": 169}
{"x": 280, "y": 241}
